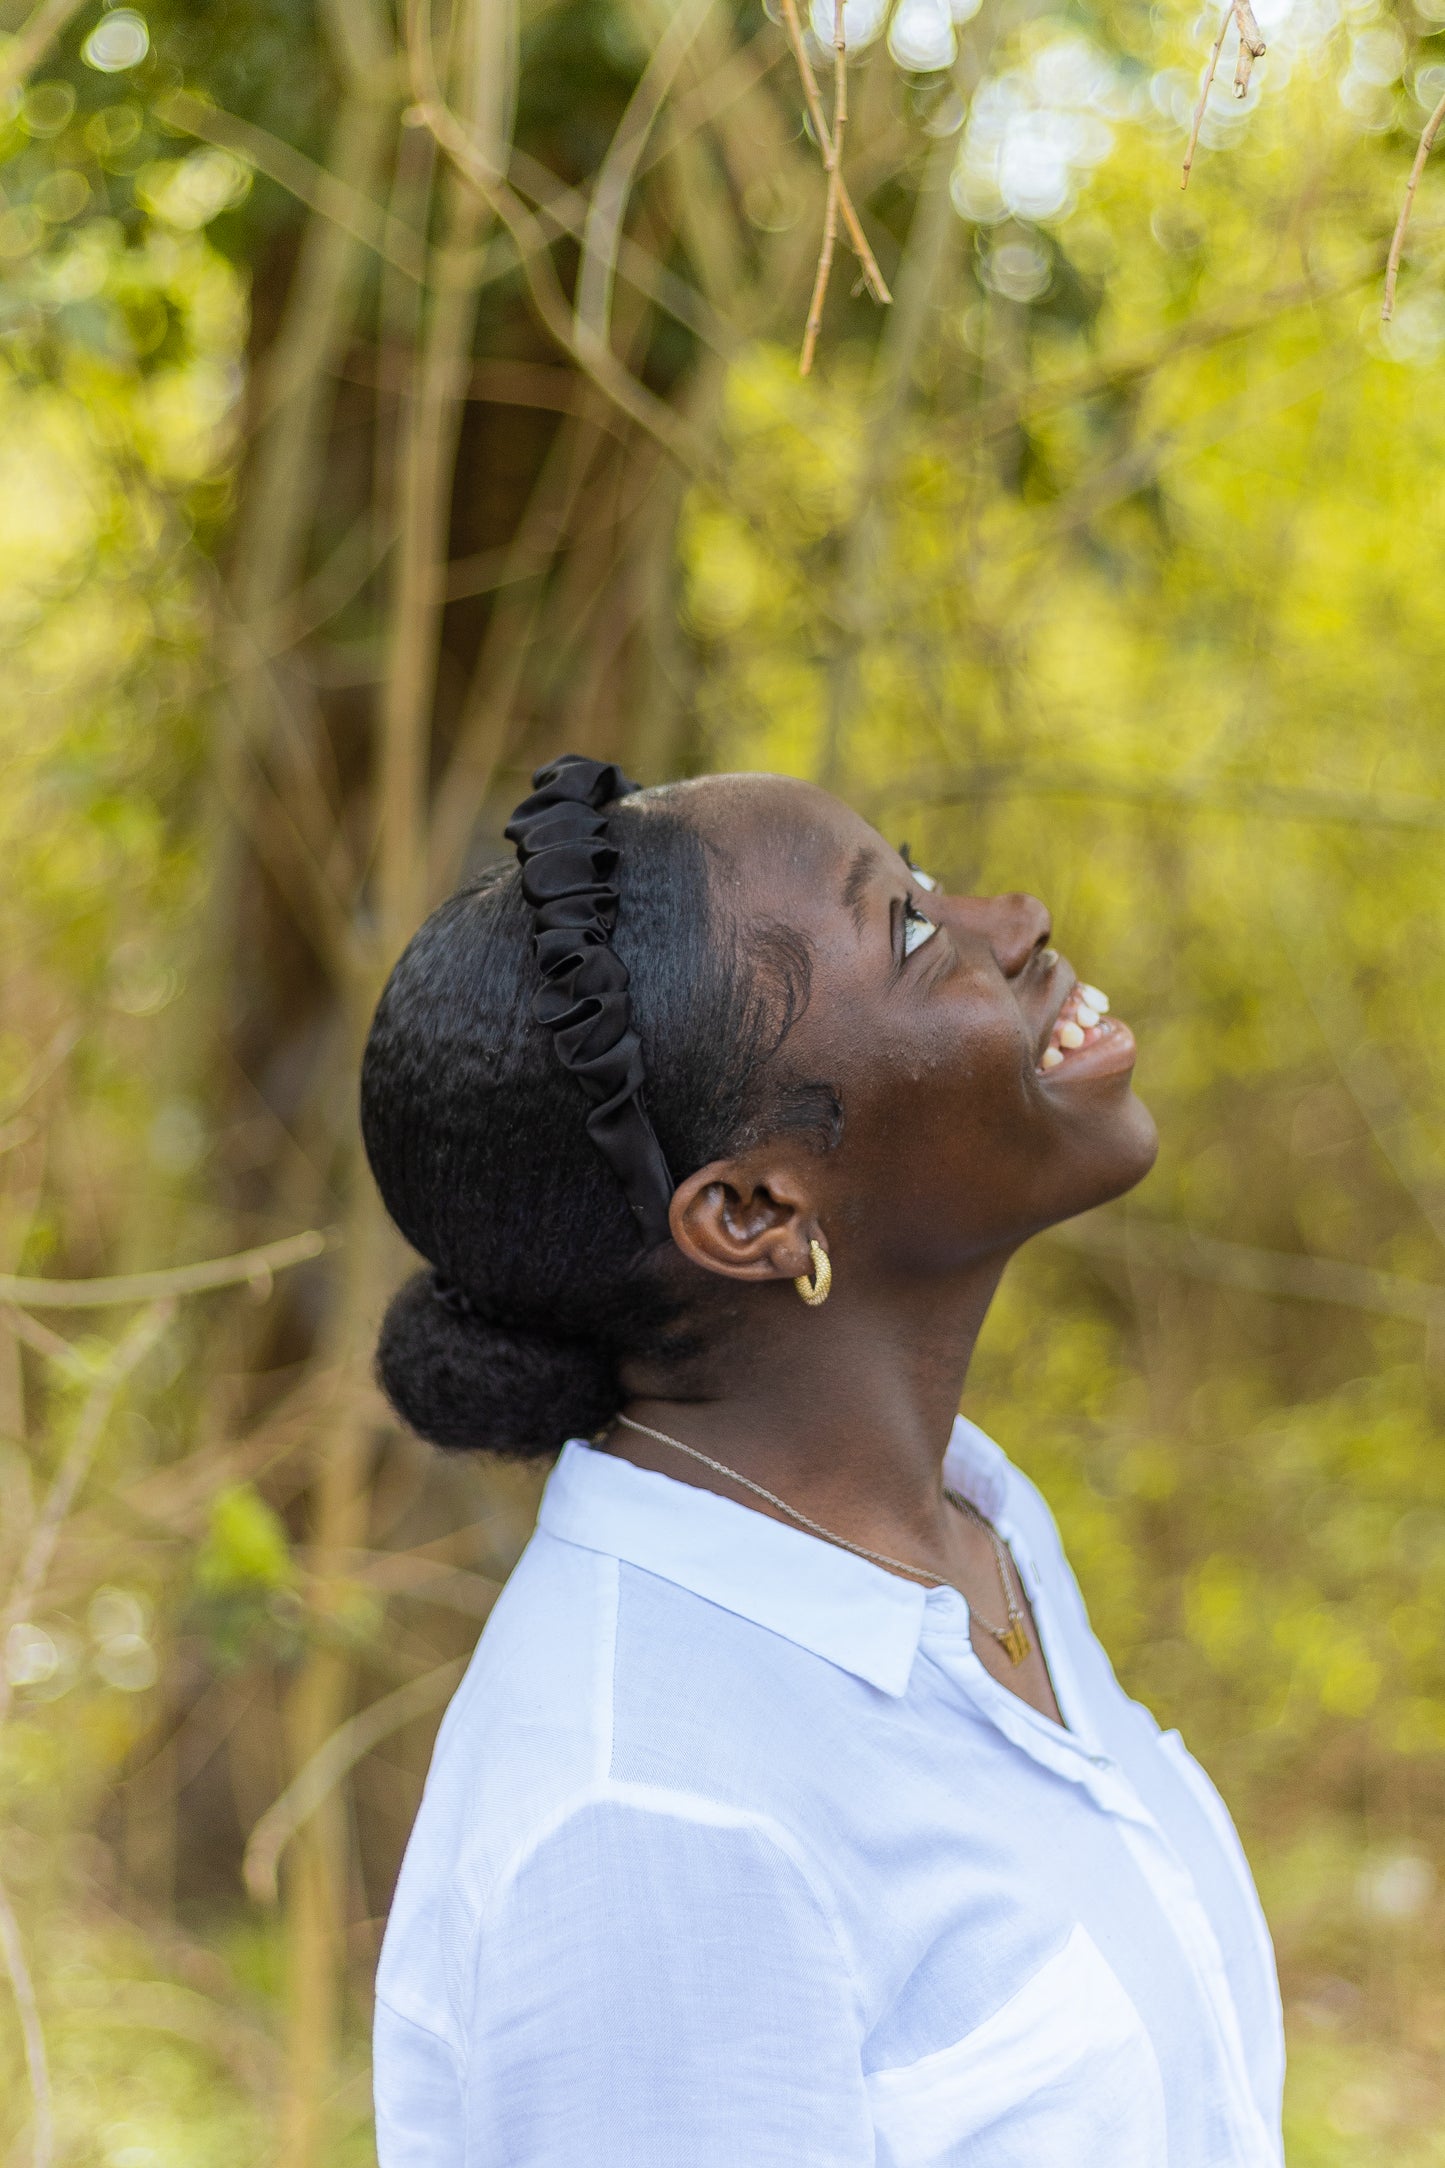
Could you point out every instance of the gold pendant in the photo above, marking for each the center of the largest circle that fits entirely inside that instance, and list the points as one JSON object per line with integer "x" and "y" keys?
{"x": 1015, "y": 1644}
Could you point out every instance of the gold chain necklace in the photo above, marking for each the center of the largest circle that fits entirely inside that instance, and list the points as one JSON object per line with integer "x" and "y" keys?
{"x": 1012, "y": 1639}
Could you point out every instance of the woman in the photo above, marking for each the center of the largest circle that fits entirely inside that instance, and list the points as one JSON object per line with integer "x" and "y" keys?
{"x": 789, "y": 1816}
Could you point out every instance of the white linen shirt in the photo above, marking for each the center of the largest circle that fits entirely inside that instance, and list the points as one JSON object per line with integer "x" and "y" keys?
{"x": 733, "y": 1855}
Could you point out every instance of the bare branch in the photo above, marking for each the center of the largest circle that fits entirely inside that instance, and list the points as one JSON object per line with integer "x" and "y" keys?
{"x": 133, "y": 1347}
{"x": 37, "y": 2068}
{"x": 425, "y": 475}
{"x": 1250, "y": 34}
{"x": 267, "y": 817}
{"x": 592, "y": 312}
{"x": 1299, "y": 1278}
{"x": 358, "y": 32}
{"x": 255, "y": 1267}
{"x": 431, "y": 111}
{"x": 43, "y": 1068}
{"x": 718, "y": 90}
{"x": 873, "y": 277}
{"x": 1209, "y": 75}
{"x": 315, "y": 186}
{"x": 350, "y": 1743}
{"x": 1251, "y": 46}
{"x": 1397, "y": 243}
{"x": 561, "y": 209}
{"x": 50, "y": 1344}
{"x": 833, "y": 159}
{"x": 1007, "y": 409}
{"x": 541, "y": 534}
{"x": 1154, "y": 455}
{"x": 33, "y": 40}
{"x": 1363, "y": 1064}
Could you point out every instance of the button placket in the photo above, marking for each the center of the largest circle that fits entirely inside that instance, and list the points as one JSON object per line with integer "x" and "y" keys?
{"x": 1182, "y": 1907}
{"x": 1063, "y": 1753}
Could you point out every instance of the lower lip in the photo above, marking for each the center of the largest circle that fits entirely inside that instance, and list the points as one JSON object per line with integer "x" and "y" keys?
{"x": 1113, "y": 1053}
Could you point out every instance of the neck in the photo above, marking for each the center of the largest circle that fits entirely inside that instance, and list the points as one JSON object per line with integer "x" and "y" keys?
{"x": 844, "y": 1412}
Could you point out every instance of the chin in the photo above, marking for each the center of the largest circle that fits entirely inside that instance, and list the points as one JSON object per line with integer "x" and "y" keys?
{"x": 1119, "y": 1155}
{"x": 1133, "y": 1147}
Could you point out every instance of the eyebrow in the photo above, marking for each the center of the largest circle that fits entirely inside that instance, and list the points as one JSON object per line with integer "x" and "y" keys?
{"x": 865, "y": 858}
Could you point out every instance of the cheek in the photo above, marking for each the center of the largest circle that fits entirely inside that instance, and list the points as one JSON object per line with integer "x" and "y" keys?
{"x": 961, "y": 1091}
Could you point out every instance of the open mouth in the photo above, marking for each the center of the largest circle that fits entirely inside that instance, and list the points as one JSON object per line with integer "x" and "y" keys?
{"x": 1083, "y": 1024}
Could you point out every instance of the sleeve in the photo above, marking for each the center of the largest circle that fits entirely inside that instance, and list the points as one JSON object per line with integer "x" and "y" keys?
{"x": 661, "y": 1991}
{"x": 417, "y": 2094}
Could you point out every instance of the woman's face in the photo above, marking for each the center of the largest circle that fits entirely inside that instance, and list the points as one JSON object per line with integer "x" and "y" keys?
{"x": 981, "y": 1103}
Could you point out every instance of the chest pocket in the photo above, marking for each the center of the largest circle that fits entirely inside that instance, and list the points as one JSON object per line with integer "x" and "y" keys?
{"x": 1064, "y": 2073}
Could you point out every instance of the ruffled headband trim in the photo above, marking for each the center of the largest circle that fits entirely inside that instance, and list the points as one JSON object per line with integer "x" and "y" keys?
{"x": 568, "y": 867}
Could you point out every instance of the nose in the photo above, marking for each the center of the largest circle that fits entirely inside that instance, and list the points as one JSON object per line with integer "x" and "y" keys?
{"x": 1015, "y": 926}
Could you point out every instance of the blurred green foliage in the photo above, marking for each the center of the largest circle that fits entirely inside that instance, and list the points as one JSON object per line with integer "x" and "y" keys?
{"x": 1187, "y": 691}
{"x": 1122, "y": 586}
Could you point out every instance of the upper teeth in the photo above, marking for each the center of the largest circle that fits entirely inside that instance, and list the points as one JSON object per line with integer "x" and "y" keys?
{"x": 1083, "y": 1012}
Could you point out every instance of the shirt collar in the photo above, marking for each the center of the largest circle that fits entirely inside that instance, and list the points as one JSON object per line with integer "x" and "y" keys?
{"x": 839, "y": 1607}
{"x": 978, "y": 1468}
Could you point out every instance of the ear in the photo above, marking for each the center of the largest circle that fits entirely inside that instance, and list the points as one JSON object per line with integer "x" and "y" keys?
{"x": 748, "y": 1220}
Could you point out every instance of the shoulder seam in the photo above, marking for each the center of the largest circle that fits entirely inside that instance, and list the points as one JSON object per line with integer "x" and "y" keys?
{"x": 696, "y": 1808}
{"x": 418, "y": 2024}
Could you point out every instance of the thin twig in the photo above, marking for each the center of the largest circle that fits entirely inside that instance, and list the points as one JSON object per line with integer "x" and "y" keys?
{"x": 350, "y": 1743}
{"x": 599, "y": 362}
{"x": 257, "y": 806}
{"x": 1364, "y": 1070}
{"x": 43, "y": 1068}
{"x": 253, "y": 1266}
{"x": 1251, "y": 46}
{"x": 592, "y": 308}
{"x": 132, "y": 1349}
{"x": 717, "y": 91}
{"x": 933, "y": 231}
{"x": 1300, "y": 1277}
{"x": 425, "y": 477}
{"x": 530, "y": 242}
{"x": 321, "y": 190}
{"x": 37, "y": 2068}
{"x": 1204, "y": 93}
{"x": 50, "y": 1344}
{"x": 833, "y": 159}
{"x": 565, "y": 210}
{"x": 33, "y": 40}
{"x": 538, "y": 540}
{"x": 873, "y": 277}
{"x": 1397, "y": 245}
{"x": 1005, "y": 411}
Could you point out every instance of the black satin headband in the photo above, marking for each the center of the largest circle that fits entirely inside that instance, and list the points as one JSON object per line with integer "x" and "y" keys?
{"x": 569, "y": 865}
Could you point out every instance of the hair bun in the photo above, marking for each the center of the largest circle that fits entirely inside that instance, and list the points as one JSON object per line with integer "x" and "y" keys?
{"x": 467, "y": 1383}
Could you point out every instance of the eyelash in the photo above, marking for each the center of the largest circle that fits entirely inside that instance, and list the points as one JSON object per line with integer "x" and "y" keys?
{"x": 914, "y": 918}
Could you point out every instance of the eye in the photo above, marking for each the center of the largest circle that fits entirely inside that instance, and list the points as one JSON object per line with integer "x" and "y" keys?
{"x": 916, "y": 928}
{"x": 924, "y": 880}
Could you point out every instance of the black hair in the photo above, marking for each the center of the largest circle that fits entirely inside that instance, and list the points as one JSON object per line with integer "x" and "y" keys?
{"x": 539, "y": 1286}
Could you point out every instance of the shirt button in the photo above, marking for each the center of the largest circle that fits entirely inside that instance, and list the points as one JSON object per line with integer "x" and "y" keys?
{"x": 1101, "y": 1761}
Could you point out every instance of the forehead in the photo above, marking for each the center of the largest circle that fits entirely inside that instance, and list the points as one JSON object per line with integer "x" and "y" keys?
{"x": 786, "y": 847}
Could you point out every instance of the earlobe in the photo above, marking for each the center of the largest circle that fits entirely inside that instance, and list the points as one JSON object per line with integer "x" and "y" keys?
{"x": 742, "y": 1223}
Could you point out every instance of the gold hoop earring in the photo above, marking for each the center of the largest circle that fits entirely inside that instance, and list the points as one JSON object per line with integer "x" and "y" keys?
{"x": 815, "y": 1291}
